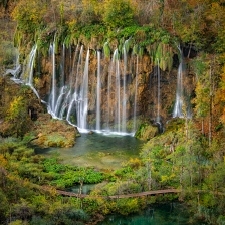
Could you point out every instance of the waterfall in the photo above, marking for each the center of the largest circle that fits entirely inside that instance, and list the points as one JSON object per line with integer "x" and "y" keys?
{"x": 99, "y": 96}
{"x": 136, "y": 95}
{"x": 117, "y": 94}
{"x": 70, "y": 98}
{"x": 73, "y": 94}
{"x": 98, "y": 91}
{"x": 158, "y": 93}
{"x": 178, "y": 107}
{"x": 74, "y": 66}
{"x": 71, "y": 101}
{"x": 124, "y": 103}
{"x": 64, "y": 104}
{"x": 82, "y": 101}
{"x": 17, "y": 68}
{"x": 105, "y": 93}
{"x": 60, "y": 102}
{"x": 58, "y": 105}
{"x": 27, "y": 74}
{"x": 79, "y": 68}
{"x": 62, "y": 67}
{"x": 52, "y": 96}
{"x": 109, "y": 109}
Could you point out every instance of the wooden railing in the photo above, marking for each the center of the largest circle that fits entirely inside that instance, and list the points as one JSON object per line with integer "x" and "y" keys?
{"x": 134, "y": 195}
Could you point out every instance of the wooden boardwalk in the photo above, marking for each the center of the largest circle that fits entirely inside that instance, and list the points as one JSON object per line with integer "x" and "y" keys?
{"x": 134, "y": 195}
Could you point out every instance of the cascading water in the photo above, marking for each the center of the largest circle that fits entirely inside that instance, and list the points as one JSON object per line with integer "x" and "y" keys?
{"x": 27, "y": 74}
{"x": 98, "y": 91}
{"x": 57, "y": 101}
{"x": 82, "y": 100}
{"x": 69, "y": 93}
{"x": 182, "y": 106}
{"x": 116, "y": 62}
{"x": 136, "y": 95}
{"x": 158, "y": 93}
{"x": 58, "y": 104}
{"x": 72, "y": 96}
{"x": 52, "y": 96}
{"x": 109, "y": 106}
{"x": 17, "y": 68}
{"x": 62, "y": 67}
{"x": 124, "y": 103}
{"x": 178, "y": 107}
{"x": 102, "y": 95}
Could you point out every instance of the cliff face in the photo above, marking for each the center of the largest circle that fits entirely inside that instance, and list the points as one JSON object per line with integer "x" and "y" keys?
{"x": 115, "y": 92}
{"x": 18, "y": 108}
{"x": 7, "y": 50}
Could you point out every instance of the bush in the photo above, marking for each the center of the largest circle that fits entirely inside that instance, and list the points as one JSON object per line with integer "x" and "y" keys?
{"x": 63, "y": 176}
{"x": 146, "y": 132}
{"x": 4, "y": 207}
{"x": 118, "y": 13}
{"x": 128, "y": 206}
{"x": 29, "y": 15}
{"x": 7, "y": 53}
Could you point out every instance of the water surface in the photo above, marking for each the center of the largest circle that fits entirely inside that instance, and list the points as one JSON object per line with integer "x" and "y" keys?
{"x": 100, "y": 151}
{"x": 156, "y": 214}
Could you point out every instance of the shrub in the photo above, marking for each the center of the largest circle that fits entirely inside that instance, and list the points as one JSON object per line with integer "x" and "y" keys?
{"x": 118, "y": 13}
{"x": 146, "y": 132}
{"x": 128, "y": 206}
{"x": 29, "y": 15}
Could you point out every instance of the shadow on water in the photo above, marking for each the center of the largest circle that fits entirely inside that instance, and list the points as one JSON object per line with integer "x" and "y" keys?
{"x": 100, "y": 151}
{"x": 156, "y": 214}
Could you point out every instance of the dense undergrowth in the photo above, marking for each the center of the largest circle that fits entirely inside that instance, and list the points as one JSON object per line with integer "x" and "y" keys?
{"x": 178, "y": 158}
{"x": 25, "y": 176}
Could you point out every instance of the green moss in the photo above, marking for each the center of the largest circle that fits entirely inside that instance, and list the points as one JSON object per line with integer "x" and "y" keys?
{"x": 146, "y": 132}
{"x": 53, "y": 133}
{"x": 174, "y": 124}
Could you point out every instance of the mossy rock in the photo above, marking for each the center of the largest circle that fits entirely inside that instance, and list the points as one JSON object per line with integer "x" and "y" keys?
{"x": 174, "y": 124}
{"x": 146, "y": 132}
{"x": 54, "y": 133}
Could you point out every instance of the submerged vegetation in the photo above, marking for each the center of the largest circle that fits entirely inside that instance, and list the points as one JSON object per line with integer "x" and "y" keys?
{"x": 188, "y": 154}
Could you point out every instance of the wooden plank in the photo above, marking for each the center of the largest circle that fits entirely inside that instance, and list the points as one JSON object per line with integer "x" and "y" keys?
{"x": 142, "y": 194}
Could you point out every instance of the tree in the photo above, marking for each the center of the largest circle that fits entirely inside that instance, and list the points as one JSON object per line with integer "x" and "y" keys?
{"x": 30, "y": 18}
{"x": 118, "y": 13}
{"x": 4, "y": 207}
{"x": 215, "y": 18}
{"x": 17, "y": 116}
{"x": 220, "y": 95}
{"x": 90, "y": 11}
{"x": 205, "y": 69}
{"x": 29, "y": 15}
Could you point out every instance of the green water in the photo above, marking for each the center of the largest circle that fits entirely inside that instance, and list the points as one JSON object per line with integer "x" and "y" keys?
{"x": 156, "y": 214}
{"x": 106, "y": 143}
{"x": 99, "y": 151}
